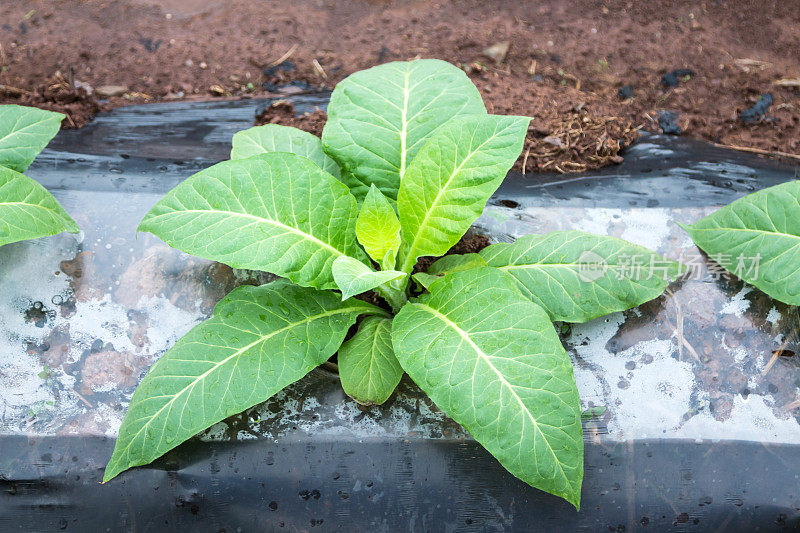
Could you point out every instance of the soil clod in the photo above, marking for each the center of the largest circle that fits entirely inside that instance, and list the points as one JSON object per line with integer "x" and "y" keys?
{"x": 667, "y": 121}
{"x": 758, "y": 111}
{"x": 673, "y": 79}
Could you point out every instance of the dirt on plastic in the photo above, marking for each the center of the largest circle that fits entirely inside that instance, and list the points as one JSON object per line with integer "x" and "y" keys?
{"x": 591, "y": 73}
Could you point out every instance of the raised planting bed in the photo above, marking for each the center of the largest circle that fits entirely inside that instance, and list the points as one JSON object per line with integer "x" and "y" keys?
{"x": 692, "y": 418}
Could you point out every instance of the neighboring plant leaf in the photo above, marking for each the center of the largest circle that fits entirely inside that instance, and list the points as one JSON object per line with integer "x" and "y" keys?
{"x": 28, "y": 210}
{"x": 378, "y": 229}
{"x": 492, "y": 361}
{"x": 379, "y": 118}
{"x": 367, "y": 366}
{"x": 578, "y": 276}
{"x": 276, "y": 212}
{"x": 593, "y": 412}
{"x": 276, "y": 138}
{"x": 24, "y": 132}
{"x": 446, "y": 187}
{"x": 757, "y": 238}
{"x": 259, "y": 340}
{"x": 354, "y": 277}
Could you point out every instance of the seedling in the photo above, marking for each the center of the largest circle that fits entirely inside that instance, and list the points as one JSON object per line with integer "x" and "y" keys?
{"x": 27, "y": 210}
{"x": 407, "y": 161}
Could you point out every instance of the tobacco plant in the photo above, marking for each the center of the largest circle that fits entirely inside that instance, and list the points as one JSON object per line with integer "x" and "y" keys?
{"x": 757, "y": 238}
{"x": 407, "y": 161}
{"x": 27, "y": 210}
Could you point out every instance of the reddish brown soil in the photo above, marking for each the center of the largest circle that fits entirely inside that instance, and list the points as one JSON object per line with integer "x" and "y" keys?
{"x": 565, "y": 63}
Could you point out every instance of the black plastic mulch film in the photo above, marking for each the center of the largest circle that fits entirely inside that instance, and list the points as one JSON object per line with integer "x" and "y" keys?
{"x": 700, "y": 429}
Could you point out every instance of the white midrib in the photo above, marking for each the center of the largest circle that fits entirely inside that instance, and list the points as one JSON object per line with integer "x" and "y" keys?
{"x": 748, "y": 230}
{"x": 20, "y": 130}
{"x": 235, "y": 354}
{"x": 290, "y": 229}
{"x": 404, "y": 129}
{"x": 500, "y": 376}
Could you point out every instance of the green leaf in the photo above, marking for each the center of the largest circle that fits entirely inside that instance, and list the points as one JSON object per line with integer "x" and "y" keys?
{"x": 448, "y": 265}
{"x": 354, "y": 277}
{"x": 259, "y": 340}
{"x": 593, "y": 412}
{"x": 277, "y": 138}
{"x": 446, "y": 187}
{"x": 367, "y": 366}
{"x": 276, "y": 212}
{"x": 424, "y": 279}
{"x": 378, "y": 229}
{"x": 28, "y": 210}
{"x": 456, "y": 263}
{"x": 492, "y": 361}
{"x": 24, "y": 132}
{"x": 757, "y": 238}
{"x": 578, "y": 276}
{"x": 379, "y": 118}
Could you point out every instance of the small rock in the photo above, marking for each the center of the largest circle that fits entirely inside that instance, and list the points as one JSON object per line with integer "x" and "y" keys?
{"x": 203, "y": 65}
{"x": 625, "y": 92}
{"x": 85, "y": 86}
{"x": 553, "y": 141}
{"x": 672, "y": 79}
{"x": 667, "y": 121}
{"x": 758, "y": 111}
{"x": 497, "y": 51}
{"x": 107, "y": 91}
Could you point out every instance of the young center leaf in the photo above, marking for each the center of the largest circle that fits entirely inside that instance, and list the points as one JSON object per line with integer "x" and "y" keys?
{"x": 28, "y": 210}
{"x": 577, "y": 276}
{"x": 378, "y": 229}
{"x": 277, "y": 212}
{"x": 259, "y": 340}
{"x": 354, "y": 277}
{"x": 757, "y": 238}
{"x": 446, "y": 187}
{"x": 492, "y": 360}
{"x": 379, "y": 118}
{"x": 277, "y": 138}
{"x": 367, "y": 366}
{"x": 448, "y": 265}
{"x": 24, "y": 132}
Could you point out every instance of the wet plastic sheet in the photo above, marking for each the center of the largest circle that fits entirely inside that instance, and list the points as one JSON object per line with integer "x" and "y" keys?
{"x": 700, "y": 428}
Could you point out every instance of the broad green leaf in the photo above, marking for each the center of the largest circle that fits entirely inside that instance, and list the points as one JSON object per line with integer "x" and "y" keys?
{"x": 277, "y": 138}
{"x": 446, "y": 187}
{"x": 378, "y": 229}
{"x": 354, "y": 277}
{"x": 24, "y": 132}
{"x": 492, "y": 361}
{"x": 424, "y": 279}
{"x": 28, "y": 210}
{"x": 259, "y": 340}
{"x": 757, "y": 238}
{"x": 448, "y": 265}
{"x": 578, "y": 276}
{"x": 367, "y": 366}
{"x": 456, "y": 263}
{"x": 379, "y": 118}
{"x": 276, "y": 212}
